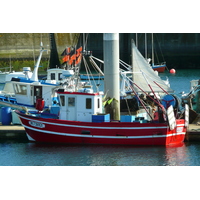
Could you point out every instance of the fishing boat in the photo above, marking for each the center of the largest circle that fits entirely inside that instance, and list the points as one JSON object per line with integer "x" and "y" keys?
{"x": 192, "y": 99}
{"x": 88, "y": 117}
{"x": 22, "y": 91}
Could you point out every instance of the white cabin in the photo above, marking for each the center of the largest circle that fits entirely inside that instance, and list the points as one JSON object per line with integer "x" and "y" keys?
{"x": 54, "y": 74}
{"x": 27, "y": 93}
{"x": 79, "y": 106}
{"x": 8, "y": 87}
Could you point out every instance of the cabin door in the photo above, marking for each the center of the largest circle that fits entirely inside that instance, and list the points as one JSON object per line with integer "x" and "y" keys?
{"x": 71, "y": 108}
{"x": 37, "y": 93}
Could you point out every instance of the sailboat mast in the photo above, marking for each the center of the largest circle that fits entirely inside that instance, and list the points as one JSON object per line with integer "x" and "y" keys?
{"x": 132, "y": 57}
{"x": 136, "y": 39}
{"x": 145, "y": 38}
{"x": 111, "y": 71}
{"x": 152, "y": 50}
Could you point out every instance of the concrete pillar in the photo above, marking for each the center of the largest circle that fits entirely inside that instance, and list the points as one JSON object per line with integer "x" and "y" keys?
{"x": 111, "y": 74}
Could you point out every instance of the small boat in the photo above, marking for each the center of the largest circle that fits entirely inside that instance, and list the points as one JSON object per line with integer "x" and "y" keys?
{"x": 159, "y": 67}
{"x": 85, "y": 119}
{"x": 7, "y": 93}
{"x": 3, "y": 76}
{"x": 5, "y": 71}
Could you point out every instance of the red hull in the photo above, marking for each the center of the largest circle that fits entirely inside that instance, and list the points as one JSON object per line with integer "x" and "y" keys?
{"x": 122, "y": 133}
{"x": 159, "y": 69}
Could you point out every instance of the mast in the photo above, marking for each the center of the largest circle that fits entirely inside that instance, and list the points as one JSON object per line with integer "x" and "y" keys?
{"x": 145, "y": 38}
{"x": 136, "y": 39}
{"x": 34, "y": 76}
{"x": 111, "y": 71}
{"x": 54, "y": 59}
{"x": 132, "y": 57}
{"x": 152, "y": 50}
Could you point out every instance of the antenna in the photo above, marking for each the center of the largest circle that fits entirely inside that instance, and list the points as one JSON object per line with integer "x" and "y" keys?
{"x": 41, "y": 43}
{"x": 10, "y": 63}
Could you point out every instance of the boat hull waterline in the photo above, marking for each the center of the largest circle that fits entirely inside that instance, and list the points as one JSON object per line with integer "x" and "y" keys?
{"x": 159, "y": 68}
{"x": 113, "y": 133}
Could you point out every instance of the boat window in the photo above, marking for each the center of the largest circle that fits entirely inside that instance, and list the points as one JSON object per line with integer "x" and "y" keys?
{"x": 71, "y": 101}
{"x": 60, "y": 76}
{"x": 37, "y": 92}
{"x": 98, "y": 103}
{"x": 15, "y": 88}
{"x": 31, "y": 90}
{"x": 53, "y": 76}
{"x": 88, "y": 103}
{"x": 21, "y": 89}
{"x": 62, "y": 100}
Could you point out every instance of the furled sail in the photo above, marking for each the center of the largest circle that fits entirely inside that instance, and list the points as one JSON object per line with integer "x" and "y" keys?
{"x": 144, "y": 75}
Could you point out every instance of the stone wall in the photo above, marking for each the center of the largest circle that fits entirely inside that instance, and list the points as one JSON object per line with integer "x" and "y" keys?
{"x": 26, "y": 45}
{"x": 179, "y": 50}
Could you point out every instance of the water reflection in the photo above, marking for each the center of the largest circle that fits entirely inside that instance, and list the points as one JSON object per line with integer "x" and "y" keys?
{"x": 186, "y": 155}
{"x": 99, "y": 155}
{"x": 176, "y": 156}
{"x": 32, "y": 154}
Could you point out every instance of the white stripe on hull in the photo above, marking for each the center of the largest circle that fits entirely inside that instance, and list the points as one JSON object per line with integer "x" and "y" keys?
{"x": 96, "y": 127}
{"x": 29, "y": 137}
{"x": 99, "y": 136}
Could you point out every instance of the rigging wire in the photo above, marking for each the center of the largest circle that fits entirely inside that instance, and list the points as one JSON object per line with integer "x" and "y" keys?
{"x": 160, "y": 48}
{"x": 88, "y": 71}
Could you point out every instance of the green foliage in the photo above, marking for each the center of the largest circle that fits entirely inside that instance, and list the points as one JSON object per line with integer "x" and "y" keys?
{"x": 17, "y": 65}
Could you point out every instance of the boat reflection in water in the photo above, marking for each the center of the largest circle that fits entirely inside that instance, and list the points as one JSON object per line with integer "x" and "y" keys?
{"x": 106, "y": 155}
{"x": 176, "y": 155}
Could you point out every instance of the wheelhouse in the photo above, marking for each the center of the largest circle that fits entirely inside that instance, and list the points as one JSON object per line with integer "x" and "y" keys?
{"x": 79, "y": 106}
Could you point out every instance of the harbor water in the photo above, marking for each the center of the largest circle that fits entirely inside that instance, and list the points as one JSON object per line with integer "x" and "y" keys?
{"x": 23, "y": 153}
{"x": 139, "y": 177}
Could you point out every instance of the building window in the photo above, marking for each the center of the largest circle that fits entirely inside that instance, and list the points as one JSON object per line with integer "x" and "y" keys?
{"x": 88, "y": 103}
{"x": 71, "y": 102}
{"x": 62, "y": 100}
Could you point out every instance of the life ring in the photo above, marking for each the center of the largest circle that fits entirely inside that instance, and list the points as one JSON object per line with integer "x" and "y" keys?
{"x": 168, "y": 100}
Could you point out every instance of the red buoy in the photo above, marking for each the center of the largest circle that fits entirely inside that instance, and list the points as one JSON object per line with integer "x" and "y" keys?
{"x": 172, "y": 71}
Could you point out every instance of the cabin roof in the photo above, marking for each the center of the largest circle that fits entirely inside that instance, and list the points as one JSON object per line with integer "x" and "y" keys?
{"x": 28, "y": 81}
